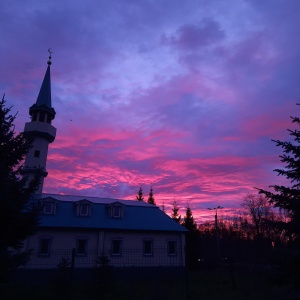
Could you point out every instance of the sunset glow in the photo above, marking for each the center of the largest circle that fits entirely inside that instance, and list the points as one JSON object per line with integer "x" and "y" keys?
{"x": 183, "y": 96}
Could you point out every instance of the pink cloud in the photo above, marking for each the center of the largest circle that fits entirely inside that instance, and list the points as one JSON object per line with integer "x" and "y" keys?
{"x": 183, "y": 97}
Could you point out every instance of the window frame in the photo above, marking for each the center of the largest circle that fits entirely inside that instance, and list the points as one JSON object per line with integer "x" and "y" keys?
{"x": 78, "y": 246}
{"x": 48, "y": 204}
{"x": 116, "y": 211}
{"x": 87, "y": 208}
{"x": 172, "y": 253}
{"x": 145, "y": 246}
{"x": 119, "y": 243}
{"x": 41, "y": 251}
{"x": 37, "y": 153}
{"x": 83, "y": 208}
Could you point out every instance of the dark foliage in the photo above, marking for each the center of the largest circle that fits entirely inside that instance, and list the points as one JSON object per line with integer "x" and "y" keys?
{"x": 18, "y": 214}
{"x": 188, "y": 220}
{"x": 103, "y": 275}
{"x": 151, "y": 197}
{"x": 139, "y": 196}
{"x": 288, "y": 197}
{"x": 192, "y": 238}
{"x": 175, "y": 213}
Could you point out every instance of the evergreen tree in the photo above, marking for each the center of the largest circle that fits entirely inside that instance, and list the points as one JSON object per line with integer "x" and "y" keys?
{"x": 151, "y": 198}
{"x": 192, "y": 238}
{"x": 18, "y": 213}
{"x": 288, "y": 197}
{"x": 175, "y": 213}
{"x": 188, "y": 220}
{"x": 139, "y": 196}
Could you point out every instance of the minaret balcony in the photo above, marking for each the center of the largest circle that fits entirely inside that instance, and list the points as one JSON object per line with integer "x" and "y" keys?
{"x": 39, "y": 129}
{"x": 34, "y": 170}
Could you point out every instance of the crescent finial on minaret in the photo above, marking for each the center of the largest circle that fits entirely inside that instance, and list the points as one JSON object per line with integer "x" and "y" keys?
{"x": 50, "y": 52}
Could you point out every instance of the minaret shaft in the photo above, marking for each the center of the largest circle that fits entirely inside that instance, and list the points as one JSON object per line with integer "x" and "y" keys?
{"x": 41, "y": 131}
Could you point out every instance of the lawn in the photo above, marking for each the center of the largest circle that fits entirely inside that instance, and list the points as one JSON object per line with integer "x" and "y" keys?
{"x": 242, "y": 282}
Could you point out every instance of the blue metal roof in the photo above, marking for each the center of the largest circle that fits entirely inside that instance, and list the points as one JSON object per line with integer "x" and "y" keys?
{"x": 137, "y": 215}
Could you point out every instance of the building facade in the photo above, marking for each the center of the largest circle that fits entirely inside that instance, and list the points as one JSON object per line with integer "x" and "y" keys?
{"x": 84, "y": 230}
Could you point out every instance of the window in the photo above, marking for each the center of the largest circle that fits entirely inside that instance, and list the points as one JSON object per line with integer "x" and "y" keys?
{"x": 172, "y": 248}
{"x": 37, "y": 153}
{"x": 148, "y": 247}
{"x": 84, "y": 209}
{"x": 42, "y": 116}
{"x": 48, "y": 208}
{"x": 81, "y": 246}
{"x": 116, "y": 211}
{"x": 48, "y": 119}
{"x": 116, "y": 247}
{"x": 44, "y": 246}
{"x": 34, "y": 116}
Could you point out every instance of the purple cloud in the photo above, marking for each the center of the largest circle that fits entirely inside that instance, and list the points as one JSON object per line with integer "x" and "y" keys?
{"x": 181, "y": 96}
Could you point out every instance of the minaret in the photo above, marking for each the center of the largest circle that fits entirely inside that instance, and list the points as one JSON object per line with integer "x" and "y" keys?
{"x": 41, "y": 130}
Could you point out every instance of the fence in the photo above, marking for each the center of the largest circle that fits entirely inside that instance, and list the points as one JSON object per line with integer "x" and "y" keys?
{"x": 92, "y": 259}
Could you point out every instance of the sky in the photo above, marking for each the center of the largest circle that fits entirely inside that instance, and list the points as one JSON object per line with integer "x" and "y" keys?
{"x": 181, "y": 96}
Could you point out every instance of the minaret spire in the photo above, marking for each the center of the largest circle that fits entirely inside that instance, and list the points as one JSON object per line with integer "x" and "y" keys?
{"x": 44, "y": 97}
{"x": 40, "y": 129}
{"x": 50, "y": 52}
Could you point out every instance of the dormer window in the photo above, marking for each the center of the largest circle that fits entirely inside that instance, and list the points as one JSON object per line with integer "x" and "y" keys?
{"x": 83, "y": 208}
{"x": 116, "y": 210}
{"x": 49, "y": 207}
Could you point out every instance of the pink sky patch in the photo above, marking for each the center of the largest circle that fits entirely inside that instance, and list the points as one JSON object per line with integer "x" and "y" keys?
{"x": 184, "y": 98}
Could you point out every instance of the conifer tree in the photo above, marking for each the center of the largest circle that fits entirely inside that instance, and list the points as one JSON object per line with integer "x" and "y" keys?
{"x": 288, "y": 197}
{"x": 151, "y": 197}
{"x": 18, "y": 213}
{"x": 188, "y": 220}
{"x": 191, "y": 237}
{"x": 139, "y": 196}
{"x": 175, "y": 213}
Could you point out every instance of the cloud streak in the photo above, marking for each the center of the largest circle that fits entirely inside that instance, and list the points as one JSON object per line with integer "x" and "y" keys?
{"x": 181, "y": 96}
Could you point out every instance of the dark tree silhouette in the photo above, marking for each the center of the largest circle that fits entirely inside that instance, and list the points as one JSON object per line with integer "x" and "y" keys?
{"x": 288, "y": 197}
{"x": 18, "y": 214}
{"x": 192, "y": 241}
{"x": 151, "y": 197}
{"x": 188, "y": 220}
{"x": 260, "y": 213}
{"x": 139, "y": 196}
{"x": 175, "y": 213}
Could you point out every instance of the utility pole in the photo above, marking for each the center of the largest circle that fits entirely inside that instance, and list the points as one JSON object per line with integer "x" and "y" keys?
{"x": 217, "y": 231}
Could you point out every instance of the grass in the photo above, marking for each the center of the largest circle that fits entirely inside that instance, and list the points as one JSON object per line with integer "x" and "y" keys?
{"x": 239, "y": 283}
